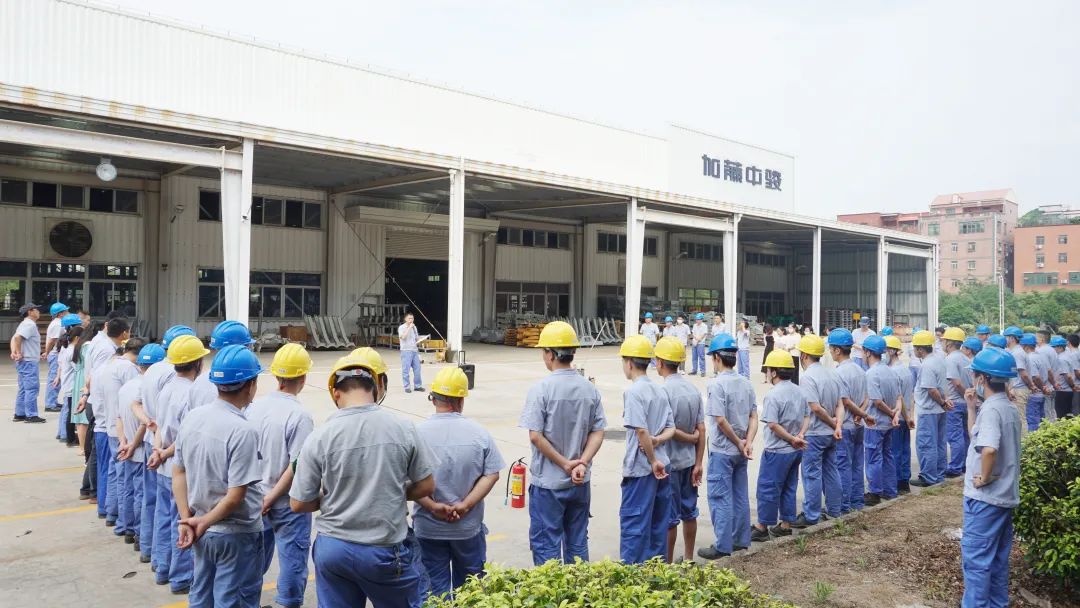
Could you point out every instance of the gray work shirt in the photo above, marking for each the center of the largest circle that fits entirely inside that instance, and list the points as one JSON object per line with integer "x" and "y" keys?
{"x": 822, "y": 386}
{"x": 699, "y": 331}
{"x": 31, "y": 339}
{"x": 358, "y": 464}
{"x": 881, "y": 383}
{"x": 650, "y": 331}
{"x": 853, "y": 386}
{"x": 154, "y": 381}
{"x": 731, "y": 396}
{"x": 1037, "y": 367}
{"x": 466, "y": 452}
{"x": 407, "y": 337}
{"x": 97, "y": 396}
{"x": 218, "y": 449}
{"x": 564, "y": 408}
{"x": 115, "y": 375}
{"x": 203, "y": 391}
{"x": 1021, "y": 359}
{"x": 283, "y": 425}
{"x": 786, "y": 406}
{"x": 954, "y": 370}
{"x": 173, "y": 405}
{"x": 907, "y": 384}
{"x": 997, "y": 426}
{"x": 98, "y": 354}
{"x": 859, "y": 335}
{"x": 687, "y": 412}
{"x": 128, "y": 393}
{"x": 931, "y": 375}
{"x": 1062, "y": 370}
{"x": 1050, "y": 355}
{"x": 645, "y": 406}
{"x": 682, "y": 333}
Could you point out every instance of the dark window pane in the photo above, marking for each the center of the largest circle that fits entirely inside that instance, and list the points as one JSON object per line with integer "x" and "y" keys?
{"x": 210, "y": 302}
{"x": 44, "y": 195}
{"x": 13, "y": 269}
{"x": 114, "y": 272}
{"x": 99, "y": 299}
{"x": 71, "y": 197}
{"x": 540, "y": 238}
{"x": 123, "y": 298}
{"x": 272, "y": 211}
{"x": 259, "y": 277}
{"x": 564, "y": 240}
{"x": 254, "y": 302}
{"x": 500, "y": 236}
{"x": 553, "y": 240}
{"x": 58, "y": 270}
{"x": 294, "y": 214}
{"x": 209, "y": 206}
{"x": 13, "y": 191}
{"x": 312, "y": 215}
{"x": 558, "y": 288}
{"x": 256, "y": 210}
{"x": 101, "y": 199}
{"x": 533, "y": 288}
{"x": 271, "y": 308}
{"x": 312, "y": 301}
{"x": 211, "y": 275}
{"x": 507, "y": 286}
{"x": 42, "y": 292}
{"x": 528, "y": 237}
{"x": 514, "y": 236}
{"x": 501, "y": 301}
{"x": 127, "y": 201}
{"x": 622, "y": 243}
{"x": 294, "y": 302}
{"x": 303, "y": 278}
{"x": 12, "y": 296}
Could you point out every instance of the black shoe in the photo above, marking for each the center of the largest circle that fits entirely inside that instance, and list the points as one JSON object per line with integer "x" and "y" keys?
{"x": 801, "y": 522}
{"x": 779, "y": 530}
{"x": 870, "y": 499}
{"x": 35, "y": 419}
{"x": 145, "y": 559}
{"x": 52, "y": 409}
{"x": 711, "y": 553}
{"x": 919, "y": 483}
{"x": 953, "y": 474}
{"x": 136, "y": 546}
{"x": 408, "y": 390}
{"x": 903, "y": 487}
{"x": 129, "y": 539}
{"x": 110, "y": 523}
{"x": 181, "y": 591}
{"x": 419, "y": 389}
{"x": 737, "y": 548}
{"x": 759, "y": 535}
{"x": 18, "y": 418}
{"x": 101, "y": 516}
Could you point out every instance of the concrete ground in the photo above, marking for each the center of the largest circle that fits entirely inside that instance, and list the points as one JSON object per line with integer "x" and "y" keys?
{"x": 55, "y": 551}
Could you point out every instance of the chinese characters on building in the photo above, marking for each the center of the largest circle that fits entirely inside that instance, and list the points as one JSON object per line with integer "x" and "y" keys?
{"x": 734, "y": 171}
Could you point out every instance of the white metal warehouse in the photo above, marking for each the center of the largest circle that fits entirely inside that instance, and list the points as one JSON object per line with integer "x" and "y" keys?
{"x": 256, "y": 180}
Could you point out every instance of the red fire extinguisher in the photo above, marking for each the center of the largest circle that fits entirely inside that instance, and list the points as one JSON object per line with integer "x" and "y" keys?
{"x": 515, "y": 484}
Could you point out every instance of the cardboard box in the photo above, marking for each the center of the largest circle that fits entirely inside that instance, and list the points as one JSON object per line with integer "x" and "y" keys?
{"x": 294, "y": 333}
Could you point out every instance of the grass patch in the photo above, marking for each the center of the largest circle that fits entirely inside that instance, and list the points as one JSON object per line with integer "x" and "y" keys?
{"x": 822, "y": 592}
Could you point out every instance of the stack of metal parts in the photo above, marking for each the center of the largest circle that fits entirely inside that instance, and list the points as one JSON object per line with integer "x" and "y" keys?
{"x": 595, "y": 331}
{"x": 844, "y": 317}
{"x": 375, "y": 320}
{"x": 326, "y": 333}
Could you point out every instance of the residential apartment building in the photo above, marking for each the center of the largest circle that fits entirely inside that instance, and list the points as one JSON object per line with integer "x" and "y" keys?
{"x": 1047, "y": 257}
{"x": 974, "y": 231}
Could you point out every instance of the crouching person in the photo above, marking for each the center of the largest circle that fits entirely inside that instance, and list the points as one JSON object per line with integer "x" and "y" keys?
{"x": 450, "y": 523}
{"x": 216, "y": 475}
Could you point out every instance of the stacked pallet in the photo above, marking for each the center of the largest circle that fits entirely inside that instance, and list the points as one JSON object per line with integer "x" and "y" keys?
{"x": 528, "y": 335}
{"x": 510, "y": 338}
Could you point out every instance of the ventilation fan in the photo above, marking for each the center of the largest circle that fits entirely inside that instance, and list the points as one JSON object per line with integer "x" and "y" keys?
{"x": 70, "y": 239}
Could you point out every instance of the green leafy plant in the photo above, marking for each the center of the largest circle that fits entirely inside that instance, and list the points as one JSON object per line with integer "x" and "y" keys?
{"x": 1048, "y": 518}
{"x": 1067, "y": 329}
{"x": 607, "y": 584}
{"x": 862, "y": 563}
{"x": 823, "y": 591}
{"x": 800, "y": 544}
{"x": 842, "y": 528}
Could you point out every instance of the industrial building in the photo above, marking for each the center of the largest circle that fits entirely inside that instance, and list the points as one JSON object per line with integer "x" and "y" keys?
{"x": 263, "y": 184}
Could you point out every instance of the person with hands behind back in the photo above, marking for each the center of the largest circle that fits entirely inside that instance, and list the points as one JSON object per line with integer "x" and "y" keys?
{"x": 932, "y": 403}
{"x": 901, "y": 443}
{"x": 449, "y": 524}
{"x": 820, "y": 470}
{"x": 883, "y": 390}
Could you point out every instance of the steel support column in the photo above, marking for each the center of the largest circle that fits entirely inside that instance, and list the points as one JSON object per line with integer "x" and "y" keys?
{"x": 815, "y": 282}
{"x": 882, "y": 284}
{"x": 236, "y": 234}
{"x": 635, "y": 240}
{"x": 456, "y": 265}
{"x": 932, "y": 287}
{"x": 731, "y": 272}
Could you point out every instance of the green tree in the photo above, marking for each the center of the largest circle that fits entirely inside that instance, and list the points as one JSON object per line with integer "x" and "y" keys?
{"x": 1031, "y": 218}
{"x": 978, "y": 303}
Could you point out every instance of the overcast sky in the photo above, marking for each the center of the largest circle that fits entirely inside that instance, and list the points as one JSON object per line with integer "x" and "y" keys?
{"x": 883, "y": 104}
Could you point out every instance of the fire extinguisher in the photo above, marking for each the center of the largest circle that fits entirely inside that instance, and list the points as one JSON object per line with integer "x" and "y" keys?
{"x": 515, "y": 484}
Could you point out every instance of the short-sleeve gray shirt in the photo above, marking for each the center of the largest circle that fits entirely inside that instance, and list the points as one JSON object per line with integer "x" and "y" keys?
{"x": 688, "y": 413}
{"x": 853, "y": 386}
{"x": 31, "y": 343}
{"x": 954, "y": 370}
{"x": 822, "y": 386}
{"x": 931, "y": 375}
{"x": 881, "y": 383}
{"x": 785, "y": 405}
{"x": 126, "y": 395}
{"x": 650, "y": 331}
{"x": 564, "y": 407}
{"x": 731, "y": 396}
{"x": 645, "y": 406}
{"x": 154, "y": 381}
{"x": 997, "y": 426}
{"x": 1021, "y": 359}
{"x": 283, "y": 425}
{"x": 174, "y": 403}
{"x": 203, "y": 391}
{"x": 115, "y": 375}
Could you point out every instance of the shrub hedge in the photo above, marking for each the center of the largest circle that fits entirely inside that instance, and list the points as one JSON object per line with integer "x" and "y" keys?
{"x": 607, "y": 584}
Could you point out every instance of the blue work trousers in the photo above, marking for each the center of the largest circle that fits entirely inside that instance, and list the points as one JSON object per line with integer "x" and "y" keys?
{"x": 559, "y": 523}
{"x": 880, "y": 466}
{"x": 930, "y": 447}
{"x": 52, "y": 391}
{"x": 729, "y": 501}
{"x": 777, "y": 484}
{"x": 28, "y": 379}
{"x": 901, "y": 449}
{"x": 349, "y": 574}
{"x": 62, "y": 422}
{"x": 178, "y": 563}
{"x": 699, "y": 359}
{"x": 742, "y": 361}
{"x": 820, "y": 475}
{"x": 643, "y": 518}
{"x": 450, "y": 562}
{"x": 684, "y": 496}
{"x": 226, "y": 571}
{"x": 984, "y": 554}
{"x": 291, "y": 534}
{"x": 103, "y": 458}
{"x": 956, "y": 435}
{"x": 112, "y": 508}
{"x": 146, "y": 518}
{"x": 410, "y": 360}
{"x": 849, "y": 461}
{"x": 1036, "y": 407}
{"x": 129, "y": 497}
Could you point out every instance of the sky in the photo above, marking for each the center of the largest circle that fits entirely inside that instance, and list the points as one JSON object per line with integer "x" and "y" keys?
{"x": 883, "y": 104}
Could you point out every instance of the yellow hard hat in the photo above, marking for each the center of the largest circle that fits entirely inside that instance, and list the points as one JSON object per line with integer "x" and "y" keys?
{"x": 450, "y": 382}
{"x": 291, "y": 361}
{"x": 636, "y": 346}
{"x": 372, "y": 357}
{"x": 954, "y": 333}
{"x": 780, "y": 359}
{"x": 558, "y": 334}
{"x": 670, "y": 349}
{"x": 893, "y": 342}
{"x": 811, "y": 345}
{"x": 922, "y": 338}
{"x": 185, "y": 349}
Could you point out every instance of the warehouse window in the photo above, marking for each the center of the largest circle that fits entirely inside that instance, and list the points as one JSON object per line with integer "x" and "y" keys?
{"x": 610, "y": 300}
{"x": 12, "y": 287}
{"x": 14, "y": 191}
{"x": 50, "y": 196}
{"x": 271, "y": 294}
{"x": 766, "y": 259}
{"x": 533, "y": 238}
{"x": 112, "y": 288}
{"x": 266, "y": 211}
{"x": 971, "y": 247}
{"x": 547, "y": 299}
{"x": 699, "y": 300}
{"x": 972, "y": 227}
{"x": 211, "y": 293}
{"x": 608, "y": 242}
{"x": 1041, "y": 278}
{"x": 97, "y": 288}
{"x": 764, "y": 304}
{"x": 700, "y": 251}
{"x": 107, "y": 200}
{"x": 209, "y": 206}
{"x": 933, "y": 229}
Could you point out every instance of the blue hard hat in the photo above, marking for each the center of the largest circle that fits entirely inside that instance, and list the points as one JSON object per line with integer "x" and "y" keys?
{"x": 874, "y": 344}
{"x": 1013, "y": 331}
{"x": 228, "y": 333}
{"x": 151, "y": 354}
{"x": 1028, "y": 340}
{"x": 667, "y": 319}
{"x": 58, "y": 308}
{"x": 973, "y": 344}
{"x": 841, "y": 337}
{"x": 648, "y": 315}
{"x": 1058, "y": 341}
{"x": 997, "y": 340}
{"x": 916, "y": 329}
{"x": 982, "y": 329}
{"x": 234, "y": 364}
{"x": 886, "y": 331}
{"x": 175, "y": 332}
{"x": 70, "y": 321}
{"x": 723, "y": 342}
{"x": 699, "y": 316}
{"x": 995, "y": 362}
